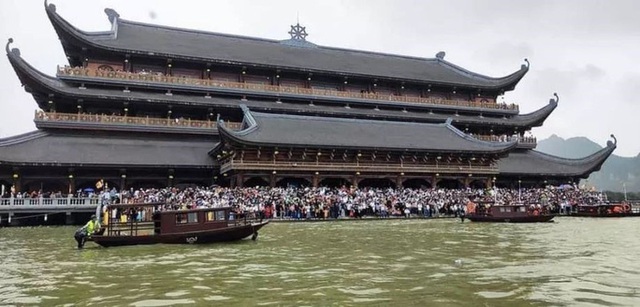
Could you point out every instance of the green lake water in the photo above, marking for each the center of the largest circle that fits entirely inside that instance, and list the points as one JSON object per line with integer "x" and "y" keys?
{"x": 572, "y": 262}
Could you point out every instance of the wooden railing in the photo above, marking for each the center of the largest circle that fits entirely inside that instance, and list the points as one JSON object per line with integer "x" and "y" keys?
{"x": 507, "y": 138}
{"x": 360, "y": 167}
{"x": 206, "y": 83}
{"x": 50, "y": 202}
{"x": 130, "y": 120}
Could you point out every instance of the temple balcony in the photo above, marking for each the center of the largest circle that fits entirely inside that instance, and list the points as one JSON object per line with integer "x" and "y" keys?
{"x": 80, "y": 73}
{"x": 310, "y": 166}
{"x": 526, "y": 142}
{"x": 45, "y": 120}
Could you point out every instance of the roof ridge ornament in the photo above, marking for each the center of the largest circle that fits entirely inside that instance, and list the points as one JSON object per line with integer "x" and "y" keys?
{"x": 554, "y": 101}
{"x": 523, "y": 66}
{"x": 440, "y": 55}
{"x": 49, "y": 6}
{"x": 298, "y": 32}
{"x": 614, "y": 143}
{"x": 15, "y": 51}
{"x": 111, "y": 14}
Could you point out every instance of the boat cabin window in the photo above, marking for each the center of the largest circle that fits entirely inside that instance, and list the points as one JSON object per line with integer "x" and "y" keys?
{"x": 215, "y": 216}
{"x": 505, "y": 209}
{"x": 186, "y": 218}
{"x": 522, "y": 209}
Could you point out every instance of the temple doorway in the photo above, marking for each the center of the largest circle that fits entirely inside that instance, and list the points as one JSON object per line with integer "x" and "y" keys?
{"x": 334, "y": 182}
{"x": 450, "y": 184}
{"x": 478, "y": 184}
{"x": 294, "y": 182}
{"x": 191, "y": 184}
{"x": 255, "y": 182}
{"x": 416, "y": 183}
{"x": 376, "y": 183}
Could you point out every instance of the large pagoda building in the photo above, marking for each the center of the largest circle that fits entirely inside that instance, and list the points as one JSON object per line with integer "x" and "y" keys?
{"x": 145, "y": 105}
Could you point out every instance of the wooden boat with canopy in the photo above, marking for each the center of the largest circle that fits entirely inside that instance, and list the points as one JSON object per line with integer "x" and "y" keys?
{"x": 150, "y": 223}
{"x": 514, "y": 213}
{"x": 606, "y": 210}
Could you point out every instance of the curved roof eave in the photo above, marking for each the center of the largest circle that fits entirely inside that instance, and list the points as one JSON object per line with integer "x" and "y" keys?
{"x": 252, "y": 125}
{"x": 27, "y": 72}
{"x": 537, "y": 118}
{"x": 581, "y": 167}
{"x": 49, "y": 148}
{"x": 97, "y": 39}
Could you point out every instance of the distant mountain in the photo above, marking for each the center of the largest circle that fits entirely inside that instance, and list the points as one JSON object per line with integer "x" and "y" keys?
{"x": 614, "y": 172}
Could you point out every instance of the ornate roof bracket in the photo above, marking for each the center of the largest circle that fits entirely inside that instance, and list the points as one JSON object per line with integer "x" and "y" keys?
{"x": 9, "y": 42}
{"x": 113, "y": 19}
{"x": 614, "y": 143}
{"x": 554, "y": 101}
{"x": 112, "y": 15}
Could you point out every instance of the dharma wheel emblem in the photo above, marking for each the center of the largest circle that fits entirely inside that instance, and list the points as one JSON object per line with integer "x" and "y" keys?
{"x": 298, "y": 32}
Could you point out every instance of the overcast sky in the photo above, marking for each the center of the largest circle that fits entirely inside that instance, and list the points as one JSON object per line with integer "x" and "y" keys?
{"x": 584, "y": 50}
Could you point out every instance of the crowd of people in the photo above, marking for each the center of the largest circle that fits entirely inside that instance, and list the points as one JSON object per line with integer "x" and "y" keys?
{"x": 323, "y": 203}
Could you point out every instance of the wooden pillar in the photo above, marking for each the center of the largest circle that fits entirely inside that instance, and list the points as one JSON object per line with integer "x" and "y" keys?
{"x": 127, "y": 64}
{"x": 272, "y": 180}
{"x": 356, "y": 180}
{"x": 72, "y": 184}
{"x": 17, "y": 182}
{"x": 435, "y": 179}
{"x": 69, "y": 218}
{"x": 239, "y": 180}
{"x": 315, "y": 181}
{"x": 123, "y": 182}
{"x": 399, "y": 181}
{"x": 169, "y": 66}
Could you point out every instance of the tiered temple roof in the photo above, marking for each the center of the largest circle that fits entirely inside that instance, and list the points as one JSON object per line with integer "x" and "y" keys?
{"x": 38, "y": 82}
{"x": 130, "y": 37}
{"x": 74, "y": 149}
{"x": 274, "y": 116}
{"x": 263, "y": 129}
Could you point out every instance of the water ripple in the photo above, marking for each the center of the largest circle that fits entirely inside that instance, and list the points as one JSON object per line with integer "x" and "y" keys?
{"x": 573, "y": 262}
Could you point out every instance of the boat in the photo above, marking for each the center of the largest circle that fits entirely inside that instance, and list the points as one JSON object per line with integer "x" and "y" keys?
{"x": 622, "y": 209}
{"x": 514, "y": 213}
{"x": 138, "y": 224}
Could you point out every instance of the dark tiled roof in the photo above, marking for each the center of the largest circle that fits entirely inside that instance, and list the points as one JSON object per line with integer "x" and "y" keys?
{"x": 154, "y": 40}
{"x": 39, "y": 147}
{"x": 34, "y": 78}
{"x": 532, "y": 162}
{"x": 263, "y": 129}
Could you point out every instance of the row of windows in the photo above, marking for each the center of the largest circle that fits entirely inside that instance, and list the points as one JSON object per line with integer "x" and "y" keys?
{"x": 509, "y": 209}
{"x": 192, "y": 217}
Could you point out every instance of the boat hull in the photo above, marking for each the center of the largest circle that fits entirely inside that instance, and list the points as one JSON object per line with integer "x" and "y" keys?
{"x": 233, "y": 233}
{"x": 514, "y": 219}
{"x": 621, "y": 214}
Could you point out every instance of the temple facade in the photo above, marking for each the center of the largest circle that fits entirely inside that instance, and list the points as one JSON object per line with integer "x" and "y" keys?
{"x": 143, "y": 105}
